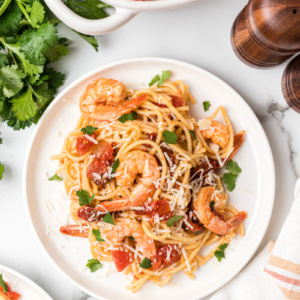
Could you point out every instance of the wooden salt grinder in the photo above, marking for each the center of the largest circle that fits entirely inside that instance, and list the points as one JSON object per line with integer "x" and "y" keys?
{"x": 290, "y": 84}
{"x": 267, "y": 32}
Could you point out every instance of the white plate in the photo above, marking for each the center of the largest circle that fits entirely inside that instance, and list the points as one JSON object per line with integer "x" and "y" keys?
{"x": 254, "y": 192}
{"x": 23, "y": 285}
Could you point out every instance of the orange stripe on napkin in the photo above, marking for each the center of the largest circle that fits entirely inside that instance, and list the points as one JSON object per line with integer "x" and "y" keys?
{"x": 283, "y": 278}
{"x": 284, "y": 264}
{"x": 292, "y": 295}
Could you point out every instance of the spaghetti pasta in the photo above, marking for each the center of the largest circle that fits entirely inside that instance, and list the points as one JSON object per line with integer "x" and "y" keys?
{"x": 149, "y": 174}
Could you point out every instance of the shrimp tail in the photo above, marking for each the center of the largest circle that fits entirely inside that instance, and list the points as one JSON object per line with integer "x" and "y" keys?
{"x": 237, "y": 220}
{"x": 237, "y": 143}
{"x": 135, "y": 102}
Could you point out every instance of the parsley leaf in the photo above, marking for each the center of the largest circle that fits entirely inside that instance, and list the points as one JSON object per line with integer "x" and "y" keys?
{"x": 219, "y": 254}
{"x": 206, "y": 105}
{"x": 55, "y": 177}
{"x": 145, "y": 263}
{"x": 90, "y": 39}
{"x": 164, "y": 76}
{"x": 35, "y": 43}
{"x": 155, "y": 79}
{"x": 37, "y": 13}
{"x": 3, "y": 60}
{"x": 193, "y": 134}
{"x": 170, "y": 137}
{"x": 3, "y": 284}
{"x": 1, "y": 170}
{"x": 88, "y": 129}
{"x": 56, "y": 52}
{"x": 108, "y": 219}
{"x": 11, "y": 80}
{"x": 233, "y": 167}
{"x": 132, "y": 238}
{"x": 229, "y": 180}
{"x": 115, "y": 165}
{"x": 173, "y": 220}
{"x": 23, "y": 106}
{"x": 10, "y": 19}
{"x": 97, "y": 235}
{"x": 84, "y": 197}
{"x": 128, "y": 117}
{"x": 94, "y": 264}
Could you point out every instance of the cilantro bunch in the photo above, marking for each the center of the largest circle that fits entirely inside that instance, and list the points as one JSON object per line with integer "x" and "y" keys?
{"x": 29, "y": 42}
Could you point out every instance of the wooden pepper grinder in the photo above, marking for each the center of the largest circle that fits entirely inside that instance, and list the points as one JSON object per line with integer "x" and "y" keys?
{"x": 290, "y": 84}
{"x": 267, "y": 32}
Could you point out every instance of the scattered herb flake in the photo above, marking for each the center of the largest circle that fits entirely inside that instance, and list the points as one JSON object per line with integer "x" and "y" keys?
{"x": 233, "y": 167}
{"x": 88, "y": 129}
{"x": 108, "y": 219}
{"x": 219, "y": 254}
{"x": 164, "y": 76}
{"x": 132, "y": 238}
{"x": 84, "y": 197}
{"x": 155, "y": 79}
{"x": 173, "y": 220}
{"x": 1, "y": 170}
{"x": 229, "y": 180}
{"x": 193, "y": 134}
{"x": 94, "y": 264}
{"x": 3, "y": 284}
{"x": 145, "y": 263}
{"x": 206, "y": 105}
{"x": 128, "y": 117}
{"x": 170, "y": 137}
{"x": 55, "y": 177}
{"x": 115, "y": 165}
{"x": 97, "y": 235}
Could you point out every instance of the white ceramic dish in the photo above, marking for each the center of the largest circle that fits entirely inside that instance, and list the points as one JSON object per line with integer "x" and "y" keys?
{"x": 23, "y": 285}
{"x": 125, "y": 10}
{"x": 254, "y": 192}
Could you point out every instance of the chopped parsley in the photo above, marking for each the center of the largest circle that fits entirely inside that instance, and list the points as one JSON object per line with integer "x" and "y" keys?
{"x": 219, "y": 254}
{"x": 88, "y": 129}
{"x": 84, "y": 197}
{"x": 94, "y": 264}
{"x": 160, "y": 79}
{"x": 55, "y": 177}
{"x": 97, "y": 235}
{"x": 170, "y": 137}
{"x": 193, "y": 134}
{"x": 211, "y": 204}
{"x": 115, "y": 165}
{"x": 128, "y": 117}
{"x": 108, "y": 219}
{"x": 3, "y": 284}
{"x": 1, "y": 170}
{"x": 233, "y": 167}
{"x": 173, "y": 220}
{"x": 230, "y": 178}
{"x": 145, "y": 263}
{"x": 132, "y": 238}
{"x": 206, "y": 105}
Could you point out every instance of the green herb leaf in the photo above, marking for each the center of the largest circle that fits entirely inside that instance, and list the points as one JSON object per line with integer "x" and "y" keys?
{"x": 206, "y": 105}
{"x": 35, "y": 43}
{"x": 37, "y": 13}
{"x": 211, "y": 204}
{"x": 9, "y": 21}
{"x": 3, "y": 60}
{"x": 97, "y": 235}
{"x": 233, "y": 167}
{"x": 84, "y": 197}
{"x": 11, "y": 80}
{"x": 198, "y": 232}
{"x": 90, "y": 39}
{"x": 170, "y": 137}
{"x": 115, "y": 165}
{"x": 229, "y": 180}
{"x": 128, "y": 117}
{"x": 56, "y": 52}
{"x": 108, "y": 219}
{"x": 23, "y": 106}
{"x": 55, "y": 177}
{"x": 155, "y": 79}
{"x": 145, "y": 263}
{"x": 94, "y": 264}
{"x": 164, "y": 76}
{"x": 88, "y": 129}
{"x": 3, "y": 284}
{"x": 1, "y": 170}
{"x": 132, "y": 238}
{"x": 219, "y": 254}
{"x": 193, "y": 134}
{"x": 173, "y": 220}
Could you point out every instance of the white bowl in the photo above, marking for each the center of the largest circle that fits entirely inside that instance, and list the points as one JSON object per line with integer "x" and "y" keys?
{"x": 125, "y": 11}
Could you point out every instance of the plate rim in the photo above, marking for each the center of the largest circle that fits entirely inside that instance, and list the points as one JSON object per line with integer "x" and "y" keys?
{"x": 98, "y": 69}
{"x": 26, "y": 279}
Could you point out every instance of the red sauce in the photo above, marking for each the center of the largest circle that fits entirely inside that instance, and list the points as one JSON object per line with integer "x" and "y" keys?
{"x": 161, "y": 260}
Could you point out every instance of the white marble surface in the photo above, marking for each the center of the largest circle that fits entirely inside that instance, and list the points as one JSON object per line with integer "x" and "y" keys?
{"x": 198, "y": 35}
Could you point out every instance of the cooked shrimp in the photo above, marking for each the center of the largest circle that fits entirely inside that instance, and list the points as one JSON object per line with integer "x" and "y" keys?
{"x": 127, "y": 227}
{"x": 104, "y": 99}
{"x": 218, "y": 133}
{"x": 135, "y": 163}
{"x": 211, "y": 220}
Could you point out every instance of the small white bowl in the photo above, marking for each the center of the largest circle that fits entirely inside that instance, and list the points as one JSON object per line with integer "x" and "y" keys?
{"x": 125, "y": 11}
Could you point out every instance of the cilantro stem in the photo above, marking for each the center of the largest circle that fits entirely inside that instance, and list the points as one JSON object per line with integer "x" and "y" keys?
{"x": 4, "y": 6}
{"x": 24, "y": 11}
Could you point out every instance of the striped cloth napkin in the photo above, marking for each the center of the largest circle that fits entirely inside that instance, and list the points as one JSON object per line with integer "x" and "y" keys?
{"x": 280, "y": 278}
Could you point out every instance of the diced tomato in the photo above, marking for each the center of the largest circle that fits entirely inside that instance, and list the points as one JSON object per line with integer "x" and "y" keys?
{"x": 100, "y": 165}
{"x": 74, "y": 230}
{"x": 176, "y": 101}
{"x": 83, "y": 144}
{"x": 153, "y": 208}
{"x": 122, "y": 259}
{"x": 194, "y": 224}
{"x": 166, "y": 256}
{"x": 89, "y": 214}
{"x": 10, "y": 294}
